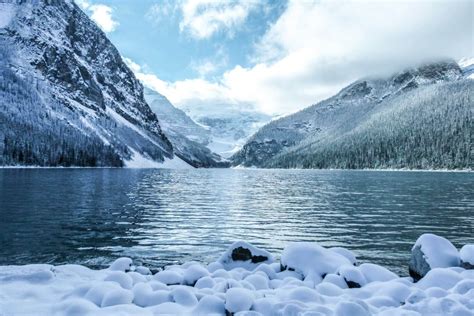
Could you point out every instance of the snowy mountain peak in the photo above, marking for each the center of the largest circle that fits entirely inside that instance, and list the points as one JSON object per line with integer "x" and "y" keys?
{"x": 189, "y": 139}
{"x": 344, "y": 113}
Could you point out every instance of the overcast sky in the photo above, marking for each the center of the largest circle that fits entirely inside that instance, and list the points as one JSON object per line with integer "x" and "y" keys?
{"x": 277, "y": 56}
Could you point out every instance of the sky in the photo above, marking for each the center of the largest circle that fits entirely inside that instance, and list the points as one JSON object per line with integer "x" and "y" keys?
{"x": 277, "y": 56}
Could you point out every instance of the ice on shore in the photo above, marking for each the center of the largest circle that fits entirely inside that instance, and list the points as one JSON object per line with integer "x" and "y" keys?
{"x": 246, "y": 280}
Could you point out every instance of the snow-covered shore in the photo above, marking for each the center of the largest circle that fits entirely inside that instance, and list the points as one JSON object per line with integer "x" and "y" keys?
{"x": 307, "y": 280}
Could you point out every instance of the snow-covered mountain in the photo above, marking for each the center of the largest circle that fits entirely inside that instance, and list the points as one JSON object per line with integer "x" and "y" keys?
{"x": 418, "y": 118}
{"x": 229, "y": 127}
{"x": 467, "y": 66}
{"x": 188, "y": 138}
{"x": 66, "y": 96}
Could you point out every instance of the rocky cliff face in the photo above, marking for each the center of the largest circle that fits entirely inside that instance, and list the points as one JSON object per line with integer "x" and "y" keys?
{"x": 188, "y": 138}
{"x": 295, "y": 140}
{"x": 66, "y": 96}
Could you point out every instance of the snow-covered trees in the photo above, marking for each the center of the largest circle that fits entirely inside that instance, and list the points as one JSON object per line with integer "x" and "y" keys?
{"x": 419, "y": 118}
{"x": 66, "y": 96}
{"x": 430, "y": 127}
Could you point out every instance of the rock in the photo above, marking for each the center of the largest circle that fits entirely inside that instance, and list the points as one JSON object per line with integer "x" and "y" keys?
{"x": 244, "y": 255}
{"x": 467, "y": 257}
{"x": 431, "y": 251}
{"x": 353, "y": 276}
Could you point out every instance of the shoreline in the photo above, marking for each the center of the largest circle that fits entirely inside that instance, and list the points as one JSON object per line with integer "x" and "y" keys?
{"x": 246, "y": 280}
{"x": 247, "y": 168}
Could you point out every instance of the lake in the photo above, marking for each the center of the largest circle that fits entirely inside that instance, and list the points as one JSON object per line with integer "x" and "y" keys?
{"x": 160, "y": 217}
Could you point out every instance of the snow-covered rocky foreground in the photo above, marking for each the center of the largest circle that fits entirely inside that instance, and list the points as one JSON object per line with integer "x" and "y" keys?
{"x": 308, "y": 280}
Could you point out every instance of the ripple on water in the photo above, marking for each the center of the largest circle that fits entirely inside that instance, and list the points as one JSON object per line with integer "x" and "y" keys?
{"x": 166, "y": 216}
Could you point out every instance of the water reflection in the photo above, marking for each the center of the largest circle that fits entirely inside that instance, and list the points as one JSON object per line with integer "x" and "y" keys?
{"x": 166, "y": 216}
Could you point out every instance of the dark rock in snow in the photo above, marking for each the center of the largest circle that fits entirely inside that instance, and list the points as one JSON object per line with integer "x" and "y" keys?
{"x": 467, "y": 257}
{"x": 418, "y": 267}
{"x": 245, "y": 255}
{"x": 431, "y": 251}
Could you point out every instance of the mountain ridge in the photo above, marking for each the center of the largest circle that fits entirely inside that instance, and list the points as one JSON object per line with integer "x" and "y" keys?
{"x": 338, "y": 115}
{"x": 188, "y": 138}
{"x": 85, "y": 106}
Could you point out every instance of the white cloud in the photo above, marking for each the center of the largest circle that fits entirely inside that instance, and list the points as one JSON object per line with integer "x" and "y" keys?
{"x": 84, "y": 4}
{"x": 193, "y": 95}
{"x": 316, "y": 48}
{"x": 205, "y": 67}
{"x": 203, "y": 18}
{"x": 101, "y": 14}
{"x": 162, "y": 10}
{"x": 211, "y": 66}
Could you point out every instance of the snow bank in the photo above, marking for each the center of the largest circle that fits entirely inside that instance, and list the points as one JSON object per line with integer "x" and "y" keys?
{"x": 245, "y": 280}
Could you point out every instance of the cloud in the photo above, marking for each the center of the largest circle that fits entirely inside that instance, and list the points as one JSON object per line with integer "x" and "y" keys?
{"x": 163, "y": 10}
{"x": 84, "y": 4}
{"x": 197, "y": 96}
{"x": 211, "y": 66}
{"x": 204, "y": 68}
{"x": 101, "y": 14}
{"x": 316, "y": 48}
{"x": 204, "y": 18}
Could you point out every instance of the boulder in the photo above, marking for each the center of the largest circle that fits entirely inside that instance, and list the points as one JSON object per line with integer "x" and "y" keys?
{"x": 244, "y": 255}
{"x": 431, "y": 251}
{"x": 352, "y": 275}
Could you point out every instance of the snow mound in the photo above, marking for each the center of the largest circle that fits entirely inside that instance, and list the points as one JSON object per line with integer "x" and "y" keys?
{"x": 238, "y": 300}
{"x": 311, "y": 258}
{"x": 317, "y": 281}
{"x": 373, "y": 272}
